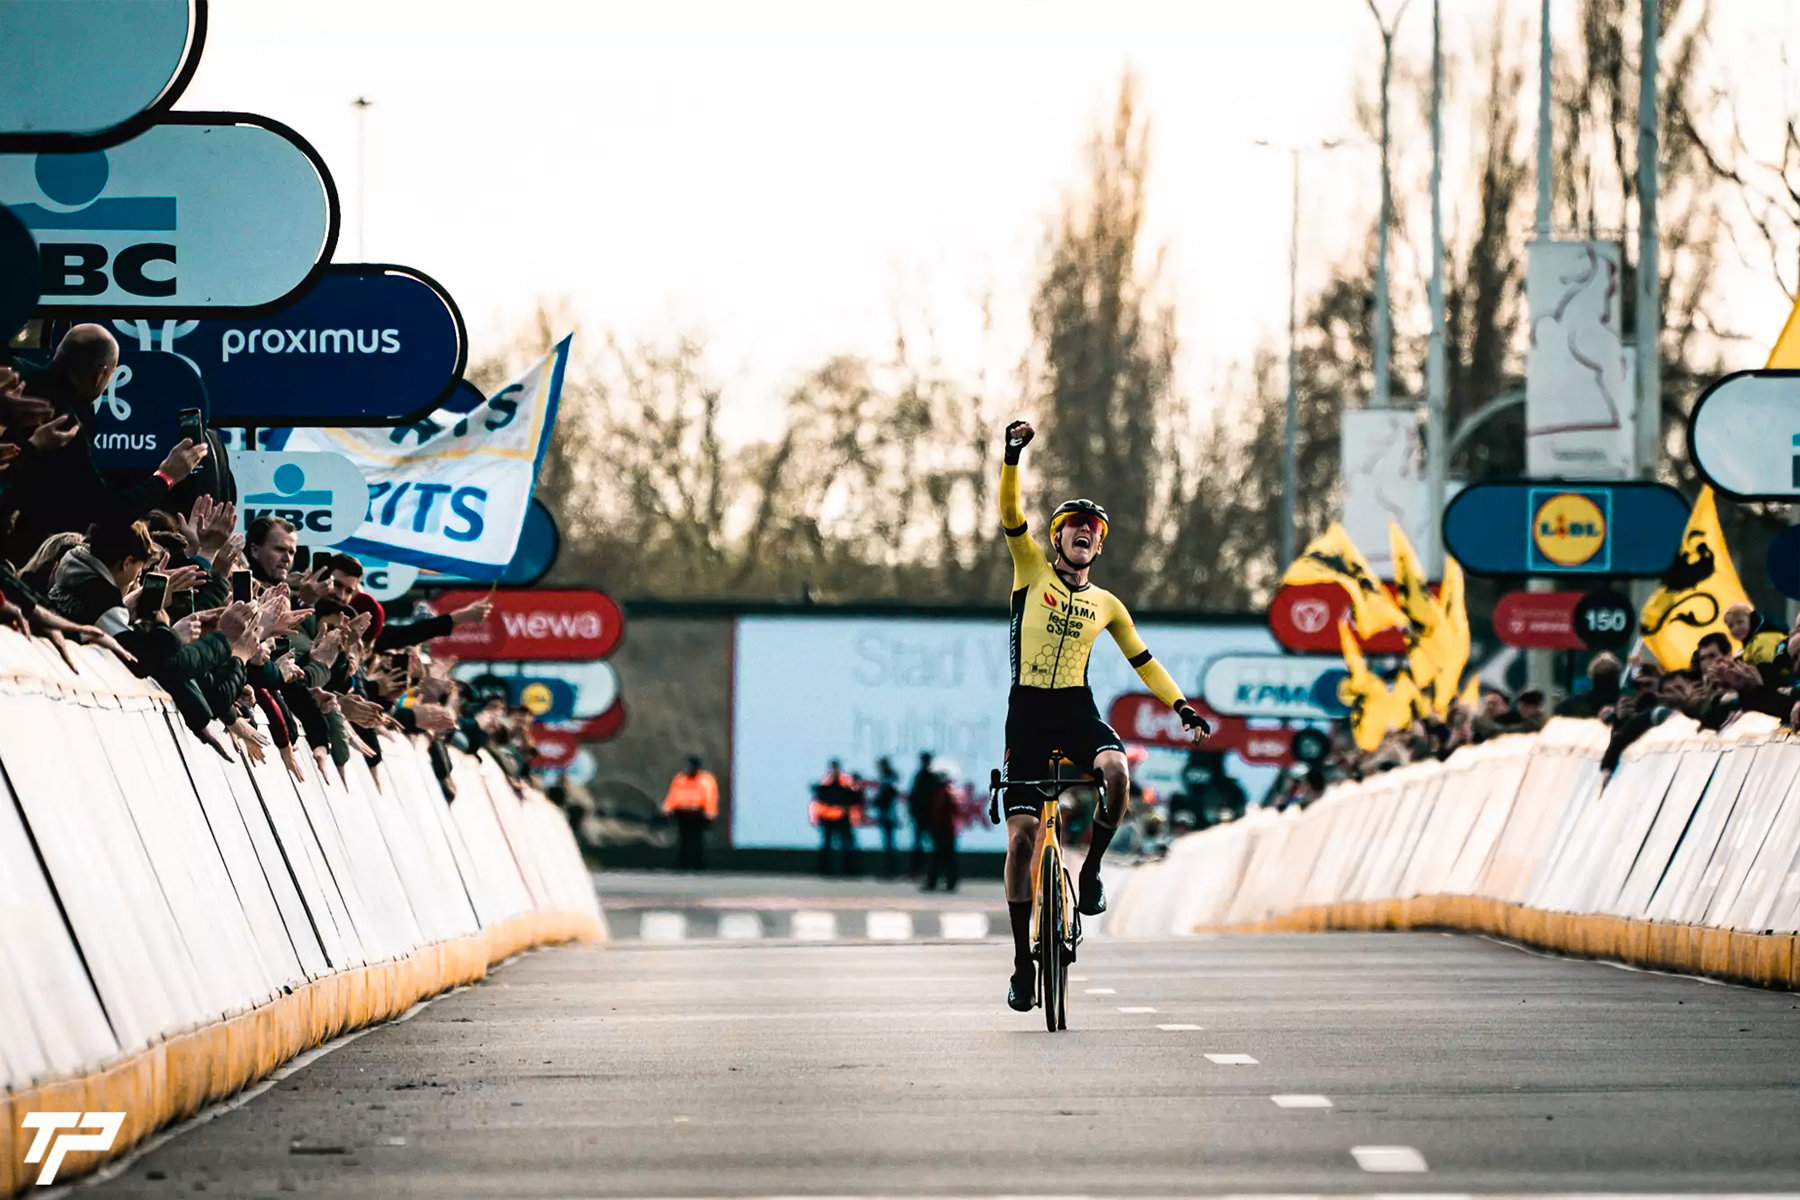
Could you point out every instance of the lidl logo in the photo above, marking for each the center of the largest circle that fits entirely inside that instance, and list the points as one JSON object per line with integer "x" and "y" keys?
{"x": 537, "y": 697}
{"x": 1569, "y": 529}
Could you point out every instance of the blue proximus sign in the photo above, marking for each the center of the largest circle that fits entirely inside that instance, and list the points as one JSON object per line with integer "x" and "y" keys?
{"x": 137, "y": 418}
{"x": 367, "y": 344}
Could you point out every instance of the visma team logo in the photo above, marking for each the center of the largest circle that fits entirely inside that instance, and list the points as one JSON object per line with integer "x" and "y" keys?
{"x": 49, "y": 1146}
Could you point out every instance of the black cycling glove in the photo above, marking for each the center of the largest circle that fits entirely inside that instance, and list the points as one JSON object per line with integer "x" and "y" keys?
{"x": 1191, "y": 719}
{"x": 1018, "y": 436}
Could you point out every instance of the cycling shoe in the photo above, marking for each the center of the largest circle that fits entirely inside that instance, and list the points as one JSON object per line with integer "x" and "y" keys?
{"x": 1093, "y": 898}
{"x": 1021, "y": 993}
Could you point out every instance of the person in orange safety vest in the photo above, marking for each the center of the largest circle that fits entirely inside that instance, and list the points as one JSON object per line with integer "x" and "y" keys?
{"x": 836, "y": 799}
{"x": 693, "y": 801}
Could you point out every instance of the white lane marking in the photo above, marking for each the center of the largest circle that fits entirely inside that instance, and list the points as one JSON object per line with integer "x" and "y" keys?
{"x": 1137, "y": 1008}
{"x": 662, "y": 926}
{"x": 809, "y": 926}
{"x": 960, "y": 925}
{"x": 1100, "y": 991}
{"x": 1388, "y": 1160}
{"x": 740, "y": 926}
{"x": 1231, "y": 1060}
{"x": 889, "y": 926}
{"x": 1297, "y": 1101}
{"x": 1078, "y": 979}
{"x": 1180, "y": 1028}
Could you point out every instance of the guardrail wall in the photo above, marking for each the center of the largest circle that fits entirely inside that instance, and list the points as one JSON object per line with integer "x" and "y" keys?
{"x": 1687, "y": 859}
{"x": 173, "y": 927}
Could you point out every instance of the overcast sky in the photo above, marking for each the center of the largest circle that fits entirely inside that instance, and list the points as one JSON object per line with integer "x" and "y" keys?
{"x": 787, "y": 177}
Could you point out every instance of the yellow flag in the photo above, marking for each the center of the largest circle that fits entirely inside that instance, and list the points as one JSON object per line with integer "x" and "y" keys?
{"x": 1451, "y": 650}
{"x": 1786, "y": 354}
{"x": 1437, "y": 631}
{"x": 1374, "y": 709}
{"x": 1697, "y": 589}
{"x": 1333, "y": 558}
{"x": 1471, "y": 695}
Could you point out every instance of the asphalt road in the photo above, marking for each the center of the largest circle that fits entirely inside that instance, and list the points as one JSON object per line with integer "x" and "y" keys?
{"x": 860, "y": 1068}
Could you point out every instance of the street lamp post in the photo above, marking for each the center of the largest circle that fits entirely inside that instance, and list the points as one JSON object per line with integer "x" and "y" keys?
{"x": 361, "y": 104}
{"x": 1289, "y": 469}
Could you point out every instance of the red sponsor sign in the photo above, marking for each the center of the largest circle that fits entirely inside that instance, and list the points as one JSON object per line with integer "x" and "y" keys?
{"x": 1304, "y": 618}
{"x": 1538, "y": 620}
{"x": 556, "y": 749}
{"x": 534, "y": 626}
{"x": 1142, "y": 718}
{"x": 602, "y": 728}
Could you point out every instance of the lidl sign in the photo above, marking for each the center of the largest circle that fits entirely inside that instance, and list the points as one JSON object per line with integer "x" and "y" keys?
{"x": 1569, "y": 529}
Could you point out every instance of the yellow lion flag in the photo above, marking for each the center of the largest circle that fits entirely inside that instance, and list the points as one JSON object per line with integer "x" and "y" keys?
{"x": 1373, "y": 708}
{"x": 1333, "y": 558}
{"x": 1696, "y": 590}
{"x": 1437, "y": 627}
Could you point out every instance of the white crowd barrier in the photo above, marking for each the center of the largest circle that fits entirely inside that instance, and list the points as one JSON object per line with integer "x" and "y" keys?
{"x": 173, "y": 926}
{"x": 1687, "y": 859}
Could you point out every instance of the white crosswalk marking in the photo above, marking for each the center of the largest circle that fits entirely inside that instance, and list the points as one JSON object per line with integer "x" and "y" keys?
{"x": 889, "y": 926}
{"x": 960, "y": 925}
{"x": 1100, "y": 991}
{"x": 1138, "y": 1008}
{"x": 740, "y": 926}
{"x": 809, "y": 926}
{"x": 1231, "y": 1060}
{"x": 1180, "y": 1028}
{"x": 663, "y": 927}
{"x": 1301, "y": 1101}
{"x": 1388, "y": 1160}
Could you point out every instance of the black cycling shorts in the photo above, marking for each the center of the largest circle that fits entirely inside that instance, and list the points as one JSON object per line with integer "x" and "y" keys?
{"x": 1044, "y": 721}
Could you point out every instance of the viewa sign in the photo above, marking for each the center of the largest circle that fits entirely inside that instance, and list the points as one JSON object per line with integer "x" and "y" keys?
{"x": 367, "y": 344}
{"x": 202, "y": 213}
{"x": 534, "y": 626}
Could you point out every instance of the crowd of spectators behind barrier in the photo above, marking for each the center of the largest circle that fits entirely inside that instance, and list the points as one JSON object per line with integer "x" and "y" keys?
{"x": 1755, "y": 669}
{"x": 149, "y": 565}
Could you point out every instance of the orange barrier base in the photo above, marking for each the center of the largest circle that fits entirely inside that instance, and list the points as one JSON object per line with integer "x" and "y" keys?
{"x": 1767, "y": 959}
{"x": 178, "y": 1077}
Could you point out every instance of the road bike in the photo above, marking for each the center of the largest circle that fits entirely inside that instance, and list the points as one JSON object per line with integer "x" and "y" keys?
{"x": 1056, "y": 925}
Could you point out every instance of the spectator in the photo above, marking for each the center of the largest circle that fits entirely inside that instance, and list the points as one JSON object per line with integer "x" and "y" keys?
{"x": 1494, "y": 706}
{"x": 1604, "y": 675}
{"x": 942, "y": 828}
{"x": 1761, "y": 640}
{"x": 91, "y": 582}
{"x": 269, "y": 545}
{"x": 886, "y": 800}
{"x": 41, "y": 566}
{"x": 833, "y": 808}
{"x": 52, "y": 485}
{"x": 693, "y": 801}
{"x": 919, "y": 800}
{"x": 1528, "y": 715}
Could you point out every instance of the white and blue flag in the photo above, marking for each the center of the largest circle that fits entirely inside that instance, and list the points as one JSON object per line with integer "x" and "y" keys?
{"x": 450, "y": 493}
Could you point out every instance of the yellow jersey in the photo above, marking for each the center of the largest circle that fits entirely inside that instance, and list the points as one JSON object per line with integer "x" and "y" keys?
{"x": 1054, "y": 626}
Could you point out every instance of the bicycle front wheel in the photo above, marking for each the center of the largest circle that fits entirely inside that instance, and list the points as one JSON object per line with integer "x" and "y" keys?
{"x": 1053, "y": 967}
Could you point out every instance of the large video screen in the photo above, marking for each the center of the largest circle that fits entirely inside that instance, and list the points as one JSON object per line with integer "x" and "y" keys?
{"x": 810, "y": 689}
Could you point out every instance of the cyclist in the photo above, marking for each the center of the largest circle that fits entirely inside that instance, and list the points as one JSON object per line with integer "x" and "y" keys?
{"x": 1056, "y": 616}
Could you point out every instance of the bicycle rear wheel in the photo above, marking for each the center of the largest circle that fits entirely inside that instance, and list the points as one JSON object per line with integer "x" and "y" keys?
{"x": 1064, "y": 955}
{"x": 1053, "y": 969}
